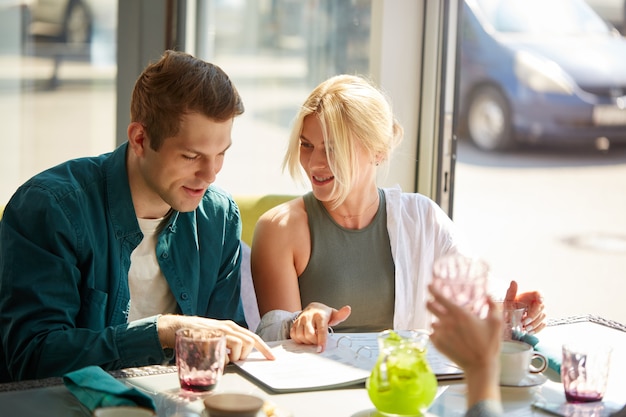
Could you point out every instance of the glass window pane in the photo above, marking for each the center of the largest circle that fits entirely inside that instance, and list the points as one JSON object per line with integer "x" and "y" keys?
{"x": 276, "y": 52}
{"x": 57, "y": 84}
{"x": 541, "y": 164}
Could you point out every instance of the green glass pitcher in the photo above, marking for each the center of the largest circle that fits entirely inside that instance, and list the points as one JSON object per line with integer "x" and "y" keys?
{"x": 401, "y": 382}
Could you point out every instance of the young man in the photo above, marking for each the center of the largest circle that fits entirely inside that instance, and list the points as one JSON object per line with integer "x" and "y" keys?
{"x": 102, "y": 259}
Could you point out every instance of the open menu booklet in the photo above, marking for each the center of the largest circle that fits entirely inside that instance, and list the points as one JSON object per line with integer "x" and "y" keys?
{"x": 347, "y": 360}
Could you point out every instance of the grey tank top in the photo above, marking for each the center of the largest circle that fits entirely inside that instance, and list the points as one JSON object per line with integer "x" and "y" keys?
{"x": 350, "y": 267}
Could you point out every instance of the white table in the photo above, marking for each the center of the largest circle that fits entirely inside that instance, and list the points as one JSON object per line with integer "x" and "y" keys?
{"x": 55, "y": 400}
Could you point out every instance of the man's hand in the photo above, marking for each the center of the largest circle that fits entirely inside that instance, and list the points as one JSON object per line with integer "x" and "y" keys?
{"x": 239, "y": 341}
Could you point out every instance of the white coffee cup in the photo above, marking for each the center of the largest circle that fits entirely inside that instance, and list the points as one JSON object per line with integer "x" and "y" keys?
{"x": 517, "y": 360}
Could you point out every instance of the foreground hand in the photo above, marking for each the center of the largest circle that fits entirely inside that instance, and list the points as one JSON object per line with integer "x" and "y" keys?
{"x": 471, "y": 342}
{"x": 534, "y": 318}
{"x": 239, "y": 341}
{"x": 311, "y": 326}
{"x": 463, "y": 336}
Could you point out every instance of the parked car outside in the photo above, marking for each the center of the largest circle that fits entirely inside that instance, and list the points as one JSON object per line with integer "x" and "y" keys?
{"x": 540, "y": 71}
{"x": 613, "y": 11}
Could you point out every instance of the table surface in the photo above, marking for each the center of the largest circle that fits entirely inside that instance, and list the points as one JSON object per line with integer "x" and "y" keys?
{"x": 50, "y": 398}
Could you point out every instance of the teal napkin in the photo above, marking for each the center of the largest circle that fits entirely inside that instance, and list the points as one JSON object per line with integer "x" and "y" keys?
{"x": 96, "y": 388}
{"x": 553, "y": 355}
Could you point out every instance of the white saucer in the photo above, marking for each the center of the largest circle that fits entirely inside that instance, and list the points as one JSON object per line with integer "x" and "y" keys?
{"x": 529, "y": 380}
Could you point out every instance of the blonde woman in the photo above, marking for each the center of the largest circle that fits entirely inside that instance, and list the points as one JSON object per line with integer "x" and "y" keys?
{"x": 348, "y": 243}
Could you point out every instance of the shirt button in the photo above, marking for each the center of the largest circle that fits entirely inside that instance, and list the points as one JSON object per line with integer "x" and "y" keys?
{"x": 184, "y": 296}
{"x": 164, "y": 255}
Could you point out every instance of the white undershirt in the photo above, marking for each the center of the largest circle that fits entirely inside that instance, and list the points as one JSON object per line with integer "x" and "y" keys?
{"x": 150, "y": 293}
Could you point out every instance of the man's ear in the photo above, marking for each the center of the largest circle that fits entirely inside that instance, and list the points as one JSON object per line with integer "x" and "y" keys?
{"x": 137, "y": 138}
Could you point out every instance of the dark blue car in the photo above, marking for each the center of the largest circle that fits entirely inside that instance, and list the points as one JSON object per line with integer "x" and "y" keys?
{"x": 540, "y": 71}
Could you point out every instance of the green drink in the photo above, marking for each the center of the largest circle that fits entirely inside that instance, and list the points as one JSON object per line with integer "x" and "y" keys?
{"x": 401, "y": 382}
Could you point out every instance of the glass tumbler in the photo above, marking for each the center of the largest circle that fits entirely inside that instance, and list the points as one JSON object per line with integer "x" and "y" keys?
{"x": 585, "y": 372}
{"x": 463, "y": 280}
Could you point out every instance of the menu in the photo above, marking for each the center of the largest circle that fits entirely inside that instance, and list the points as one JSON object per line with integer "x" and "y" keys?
{"x": 347, "y": 360}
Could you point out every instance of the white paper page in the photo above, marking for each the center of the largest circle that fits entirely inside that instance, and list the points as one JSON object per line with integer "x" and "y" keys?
{"x": 300, "y": 367}
{"x": 347, "y": 359}
{"x": 366, "y": 344}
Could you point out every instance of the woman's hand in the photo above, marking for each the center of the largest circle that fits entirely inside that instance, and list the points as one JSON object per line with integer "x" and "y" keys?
{"x": 311, "y": 325}
{"x": 534, "y": 318}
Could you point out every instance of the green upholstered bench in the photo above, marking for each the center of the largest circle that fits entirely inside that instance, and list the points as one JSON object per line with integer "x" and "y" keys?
{"x": 252, "y": 207}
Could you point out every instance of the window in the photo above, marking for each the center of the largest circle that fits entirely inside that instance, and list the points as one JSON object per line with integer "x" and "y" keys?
{"x": 276, "y": 52}
{"x": 57, "y": 85}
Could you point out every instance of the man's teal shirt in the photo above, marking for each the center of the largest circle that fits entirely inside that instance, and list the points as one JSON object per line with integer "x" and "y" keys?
{"x": 66, "y": 237}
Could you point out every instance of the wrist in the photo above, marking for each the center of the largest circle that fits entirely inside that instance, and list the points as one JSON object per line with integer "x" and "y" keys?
{"x": 483, "y": 383}
{"x": 276, "y": 325}
{"x": 166, "y": 331}
{"x": 291, "y": 322}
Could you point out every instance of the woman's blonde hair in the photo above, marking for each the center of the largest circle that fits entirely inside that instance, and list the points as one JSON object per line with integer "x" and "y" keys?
{"x": 352, "y": 113}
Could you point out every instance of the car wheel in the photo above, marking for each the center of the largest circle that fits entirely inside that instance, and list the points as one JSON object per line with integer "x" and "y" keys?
{"x": 489, "y": 120}
{"x": 77, "y": 25}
